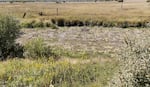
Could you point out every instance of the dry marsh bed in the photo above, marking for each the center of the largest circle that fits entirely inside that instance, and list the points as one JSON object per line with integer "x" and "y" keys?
{"x": 90, "y": 39}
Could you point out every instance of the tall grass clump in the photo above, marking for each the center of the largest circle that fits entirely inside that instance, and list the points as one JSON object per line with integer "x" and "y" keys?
{"x": 135, "y": 64}
{"x": 36, "y": 48}
{"x": 36, "y": 73}
{"x": 104, "y": 22}
{"x": 37, "y": 24}
{"x": 9, "y": 31}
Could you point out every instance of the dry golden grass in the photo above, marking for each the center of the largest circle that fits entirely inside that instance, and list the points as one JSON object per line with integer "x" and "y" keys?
{"x": 107, "y": 10}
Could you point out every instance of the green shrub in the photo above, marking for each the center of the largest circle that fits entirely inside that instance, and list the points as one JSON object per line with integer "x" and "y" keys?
{"x": 60, "y": 22}
{"x": 30, "y": 24}
{"x": 39, "y": 24}
{"x": 135, "y": 62}
{"x": 53, "y": 21}
{"x": 34, "y": 24}
{"x": 108, "y": 24}
{"x": 53, "y": 26}
{"x": 47, "y": 24}
{"x": 123, "y": 24}
{"x": 36, "y": 48}
{"x": 9, "y": 31}
{"x": 15, "y": 51}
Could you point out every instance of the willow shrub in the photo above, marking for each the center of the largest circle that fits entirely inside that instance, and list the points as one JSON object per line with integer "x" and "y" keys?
{"x": 9, "y": 31}
{"x": 135, "y": 64}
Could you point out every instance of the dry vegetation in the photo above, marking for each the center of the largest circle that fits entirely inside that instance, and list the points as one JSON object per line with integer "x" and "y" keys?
{"x": 110, "y": 13}
{"x": 103, "y": 9}
{"x": 75, "y": 56}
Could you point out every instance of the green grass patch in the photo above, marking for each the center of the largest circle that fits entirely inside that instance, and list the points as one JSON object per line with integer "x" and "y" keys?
{"x": 78, "y": 54}
{"x": 37, "y": 73}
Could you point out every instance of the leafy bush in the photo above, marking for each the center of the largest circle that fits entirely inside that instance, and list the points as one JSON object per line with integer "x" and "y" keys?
{"x": 15, "y": 51}
{"x": 39, "y": 24}
{"x": 60, "y": 22}
{"x": 9, "y": 31}
{"x": 36, "y": 48}
{"x": 28, "y": 24}
{"x": 135, "y": 64}
{"x": 53, "y": 26}
{"x": 33, "y": 24}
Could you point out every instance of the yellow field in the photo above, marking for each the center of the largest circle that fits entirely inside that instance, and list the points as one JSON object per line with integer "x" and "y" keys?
{"x": 109, "y": 10}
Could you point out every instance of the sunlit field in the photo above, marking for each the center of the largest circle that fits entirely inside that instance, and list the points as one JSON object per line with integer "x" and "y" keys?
{"x": 72, "y": 44}
{"x": 106, "y": 10}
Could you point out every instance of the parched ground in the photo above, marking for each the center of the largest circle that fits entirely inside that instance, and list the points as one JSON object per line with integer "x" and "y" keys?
{"x": 95, "y": 39}
{"x": 133, "y": 10}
